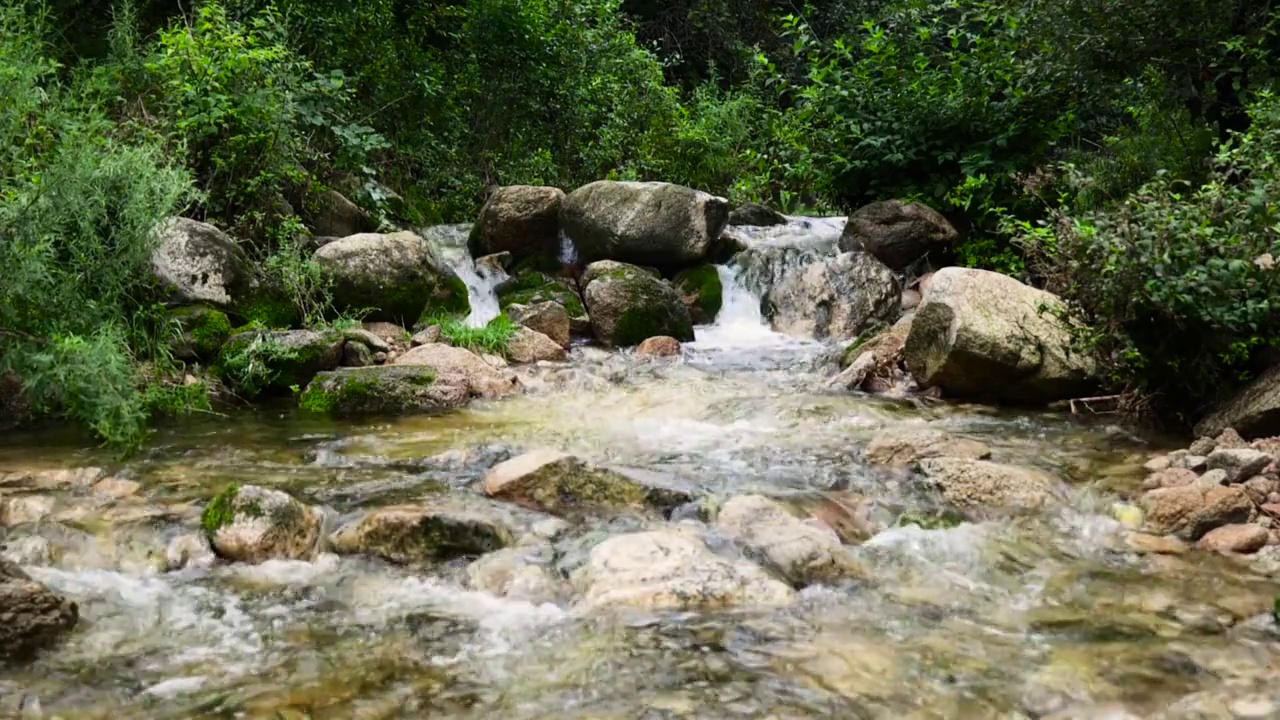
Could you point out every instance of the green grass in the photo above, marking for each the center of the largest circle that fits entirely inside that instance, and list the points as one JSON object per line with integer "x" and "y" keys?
{"x": 493, "y": 339}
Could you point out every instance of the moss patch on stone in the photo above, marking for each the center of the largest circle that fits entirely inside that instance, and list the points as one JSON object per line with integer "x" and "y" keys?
{"x": 372, "y": 390}
{"x": 220, "y": 511}
{"x": 702, "y": 282}
{"x": 528, "y": 288}
{"x": 269, "y": 310}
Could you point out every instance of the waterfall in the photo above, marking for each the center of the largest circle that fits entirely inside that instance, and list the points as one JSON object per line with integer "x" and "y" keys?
{"x": 739, "y": 306}
{"x": 481, "y": 279}
{"x": 568, "y": 251}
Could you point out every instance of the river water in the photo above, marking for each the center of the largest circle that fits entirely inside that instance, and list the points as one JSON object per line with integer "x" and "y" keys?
{"x": 1045, "y": 616}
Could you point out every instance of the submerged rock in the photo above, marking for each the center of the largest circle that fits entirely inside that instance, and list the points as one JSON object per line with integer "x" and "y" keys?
{"x": 1254, "y": 411}
{"x": 558, "y": 483}
{"x": 292, "y": 357}
{"x": 523, "y": 220}
{"x": 454, "y": 365}
{"x": 647, "y": 223}
{"x": 802, "y": 552}
{"x": 413, "y": 533}
{"x": 253, "y": 524}
{"x": 897, "y": 233}
{"x": 661, "y": 346}
{"x": 1191, "y": 511}
{"x": 837, "y": 298}
{"x": 906, "y": 447}
{"x": 398, "y": 276}
{"x": 386, "y": 390}
{"x": 199, "y": 264}
{"x": 32, "y": 617}
{"x": 628, "y": 306}
{"x": 977, "y": 487}
{"x": 983, "y": 334}
{"x": 518, "y": 573}
{"x": 668, "y": 569}
{"x": 549, "y": 318}
{"x": 531, "y": 346}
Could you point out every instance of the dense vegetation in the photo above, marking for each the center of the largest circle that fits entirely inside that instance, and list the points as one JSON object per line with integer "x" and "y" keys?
{"x": 1119, "y": 153}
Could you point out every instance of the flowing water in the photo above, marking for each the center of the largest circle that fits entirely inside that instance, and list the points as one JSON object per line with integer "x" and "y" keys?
{"x": 481, "y": 279}
{"x": 1045, "y": 616}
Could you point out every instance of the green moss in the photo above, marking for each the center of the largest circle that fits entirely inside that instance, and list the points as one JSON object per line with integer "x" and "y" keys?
{"x": 210, "y": 331}
{"x": 220, "y": 511}
{"x": 704, "y": 283}
{"x": 364, "y": 390}
{"x": 635, "y": 326}
{"x": 318, "y": 400}
{"x": 269, "y": 311}
{"x": 528, "y": 288}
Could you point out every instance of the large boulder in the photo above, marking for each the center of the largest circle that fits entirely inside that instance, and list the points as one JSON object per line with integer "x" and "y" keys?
{"x": 979, "y": 488}
{"x": 32, "y": 617}
{"x": 397, "y": 276}
{"x": 897, "y": 233}
{"x": 1191, "y": 511}
{"x": 252, "y": 524}
{"x": 835, "y": 297}
{"x": 1253, "y": 412}
{"x": 455, "y": 365}
{"x": 558, "y": 483}
{"x": 672, "y": 570}
{"x": 279, "y": 359}
{"x": 199, "y": 264}
{"x": 415, "y": 533}
{"x": 549, "y": 318}
{"x": 985, "y": 335}
{"x": 756, "y": 215}
{"x": 384, "y": 390}
{"x": 523, "y": 220}
{"x": 646, "y": 223}
{"x": 802, "y": 552}
{"x": 628, "y": 306}
{"x": 336, "y": 216}
{"x": 903, "y": 448}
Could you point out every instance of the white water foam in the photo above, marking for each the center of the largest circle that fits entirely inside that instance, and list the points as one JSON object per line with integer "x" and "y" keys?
{"x": 740, "y": 323}
{"x": 450, "y": 242}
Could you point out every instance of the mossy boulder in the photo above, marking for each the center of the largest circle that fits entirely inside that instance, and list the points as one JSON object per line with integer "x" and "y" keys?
{"x": 252, "y": 524}
{"x": 558, "y": 483}
{"x": 702, "y": 293}
{"x": 459, "y": 366}
{"x": 385, "y": 390}
{"x": 628, "y": 306}
{"x": 531, "y": 287}
{"x": 415, "y": 533}
{"x": 332, "y": 214}
{"x": 397, "y": 277}
{"x": 204, "y": 331}
{"x": 268, "y": 307}
{"x": 278, "y": 359}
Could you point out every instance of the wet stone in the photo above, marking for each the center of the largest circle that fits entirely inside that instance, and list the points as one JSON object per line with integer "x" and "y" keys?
{"x": 1238, "y": 463}
{"x": 406, "y": 534}
{"x": 802, "y": 552}
{"x": 253, "y": 524}
{"x": 555, "y": 482}
{"x": 1243, "y": 539}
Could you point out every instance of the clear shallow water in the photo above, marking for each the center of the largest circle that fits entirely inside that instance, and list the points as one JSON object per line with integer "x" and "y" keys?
{"x": 1019, "y": 618}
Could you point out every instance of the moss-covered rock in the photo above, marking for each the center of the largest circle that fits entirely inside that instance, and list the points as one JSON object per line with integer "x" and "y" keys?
{"x": 386, "y": 390}
{"x": 204, "y": 330}
{"x": 558, "y": 483}
{"x": 701, "y": 290}
{"x": 628, "y": 306}
{"x": 397, "y": 276}
{"x": 258, "y": 360}
{"x": 531, "y": 287}
{"x": 417, "y": 534}
{"x": 254, "y": 524}
{"x": 268, "y": 308}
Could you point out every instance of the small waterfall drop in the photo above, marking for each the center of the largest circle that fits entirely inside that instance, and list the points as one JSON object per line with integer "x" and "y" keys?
{"x": 482, "y": 279}
{"x": 568, "y": 251}
{"x": 740, "y": 322}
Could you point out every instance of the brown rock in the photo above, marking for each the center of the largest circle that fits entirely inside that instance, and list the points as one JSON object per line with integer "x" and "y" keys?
{"x": 1272, "y": 509}
{"x": 520, "y": 219}
{"x": 1260, "y": 488}
{"x": 1155, "y": 544}
{"x": 1173, "y": 477}
{"x": 978, "y": 488}
{"x": 32, "y": 617}
{"x": 555, "y": 482}
{"x": 661, "y": 346}
{"x": 549, "y": 318}
{"x": 391, "y": 333}
{"x": 460, "y": 365}
{"x": 531, "y": 346}
{"x": 1229, "y": 439}
{"x": 901, "y": 448}
{"x": 1191, "y": 511}
{"x": 116, "y": 488}
{"x": 1243, "y": 539}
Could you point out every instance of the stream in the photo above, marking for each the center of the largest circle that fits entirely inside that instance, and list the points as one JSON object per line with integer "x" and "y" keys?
{"x": 1046, "y": 616}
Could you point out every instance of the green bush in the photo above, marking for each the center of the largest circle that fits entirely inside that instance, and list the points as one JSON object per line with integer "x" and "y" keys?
{"x": 1178, "y": 282}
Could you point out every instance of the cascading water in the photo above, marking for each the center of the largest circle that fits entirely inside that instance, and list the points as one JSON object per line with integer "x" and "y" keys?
{"x": 481, "y": 279}
{"x": 740, "y": 322}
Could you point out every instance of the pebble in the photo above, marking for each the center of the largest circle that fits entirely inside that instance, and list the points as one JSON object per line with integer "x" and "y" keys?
{"x": 1255, "y": 706}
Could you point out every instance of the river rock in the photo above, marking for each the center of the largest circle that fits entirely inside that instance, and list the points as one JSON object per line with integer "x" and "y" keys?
{"x": 661, "y": 346}
{"x": 835, "y": 297}
{"x": 702, "y": 292}
{"x": 531, "y": 346}
{"x": 336, "y": 216}
{"x": 875, "y": 365}
{"x": 802, "y": 552}
{"x": 292, "y": 357}
{"x": 459, "y": 365}
{"x": 549, "y": 318}
{"x": 672, "y": 570}
{"x": 983, "y": 334}
{"x": 1172, "y": 477}
{"x": 976, "y": 487}
{"x": 191, "y": 550}
{"x": 1240, "y": 464}
{"x": 523, "y": 220}
{"x": 517, "y": 573}
{"x": 628, "y": 306}
{"x": 356, "y": 355}
{"x": 902, "y": 448}
{"x": 199, "y": 264}
{"x": 32, "y": 617}
{"x": 897, "y": 233}
{"x": 558, "y": 483}
{"x": 398, "y": 276}
{"x": 384, "y": 390}
{"x": 756, "y": 215}
{"x": 1253, "y": 412}
{"x": 1191, "y": 511}
{"x": 1243, "y": 539}
{"x": 253, "y": 524}
{"x": 414, "y": 533}
{"x": 646, "y": 223}
{"x": 203, "y": 330}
